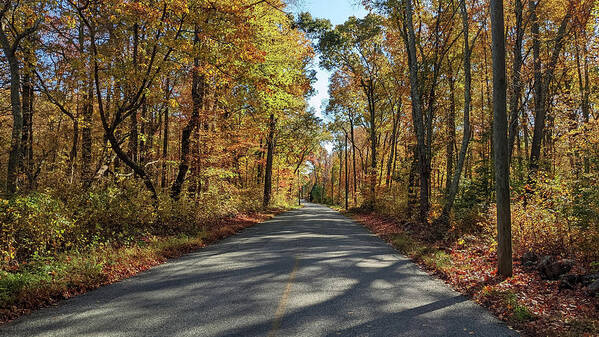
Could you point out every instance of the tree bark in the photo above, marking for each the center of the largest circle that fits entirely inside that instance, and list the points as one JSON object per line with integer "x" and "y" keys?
{"x": 417, "y": 116}
{"x": 270, "y": 145}
{"x": 542, "y": 82}
{"x": 501, "y": 151}
{"x": 583, "y": 87}
{"x": 86, "y": 129}
{"x": 455, "y": 182}
{"x": 144, "y": 132}
{"x": 86, "y": 138}
{"x": 346, "y": 175}
{"x": 165, "y": 134}
{"x": 260, "y": 157}
{"x": 332, "y": 182}
{"x": 516, "y": 94}
{"x": 538, "y": 90}
{"x": 368, "y": 87}
{"x": 393, "y": 144}
{"x": 74, "y": 146}
{"x": 353, "y": 144}
{"x": 133, "y": 134}
{"x": 10, "y": 48}
{"x": 340, "y": 171}
{"x": 451, "y": 133}
{"x": 197, "y": 96}
{"x": 17, "y": 115}
{"x": 27, "y": 108}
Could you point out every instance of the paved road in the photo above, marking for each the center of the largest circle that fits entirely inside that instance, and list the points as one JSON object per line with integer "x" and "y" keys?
{"x": 308, "y": 272}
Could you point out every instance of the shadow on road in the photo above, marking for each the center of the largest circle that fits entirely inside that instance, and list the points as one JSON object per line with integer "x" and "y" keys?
{"x": 347, "y": 283}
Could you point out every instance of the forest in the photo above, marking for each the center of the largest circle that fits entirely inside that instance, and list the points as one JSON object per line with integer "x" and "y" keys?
{"x": 463, "y": 132}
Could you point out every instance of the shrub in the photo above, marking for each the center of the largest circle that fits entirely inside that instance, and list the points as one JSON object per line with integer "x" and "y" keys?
{"x": 34, "y": 224}
{"x": 551, "y": 221}
{"x": 69, "y": 217}
{"x": 108, "y": 212}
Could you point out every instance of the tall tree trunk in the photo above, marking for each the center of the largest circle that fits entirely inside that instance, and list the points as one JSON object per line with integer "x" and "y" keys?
{"x": 538, "y": 89}
{"x": 393, "y": 144}
{"x": 332, "y": 182}
{"x": 451, "y": 132}
{"x": 17, "y": 116}
{"x": 165, "y": 134}
{"x": 195, "y": 163}
{"x": 197, "y": 95}
{"x": 340, "y": 171}
{"x": 516, "y": 94}
{"x": 74, "y": 146}
{"x": 27, "y": 97}
{"x": 501, "y": 151}
{"x": 368, "y": 87}
{"x": 583, "y": 88}
{"x": 455, "y": 182}
{"x": 260, "y": 155}
{"x": 346, "y": 175}
{"x": 86, "y": 137}
{"x": 86, "y": 128}
{"x": 10, "y": 48}
{"x": 411, "y": 184}
{"x": 583, "y": 80}
{"x": 383, "y": 154}
{"x": 417, "y": 116}
{"x": 353, "y": 144}
{"x": 133, "y": 134}
{"x": 133, "y": 137}
{"x": 525, "y": 135}
{"x": 27, "y": 108}
{"x": 270, "y": 145}
{"x": 144, "y": 131}
{"x": 542, "y": 83}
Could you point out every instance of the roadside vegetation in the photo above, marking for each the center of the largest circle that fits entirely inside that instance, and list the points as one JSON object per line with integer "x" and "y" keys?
{"x": 463, "y": 132}
{"x": 53, "y": 253}
{"x": 527, "y": 301}
{"x": 136, "y": 131}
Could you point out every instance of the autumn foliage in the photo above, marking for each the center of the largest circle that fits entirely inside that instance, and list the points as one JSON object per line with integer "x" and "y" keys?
{"x": 128, "y": 121}
{"x": 135, "y": 131}
{"x": 415, "y": 138}
{"x": 467, "y": 263}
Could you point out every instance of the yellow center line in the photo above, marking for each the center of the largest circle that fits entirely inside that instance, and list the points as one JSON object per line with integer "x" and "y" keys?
{"x": 283, "y": 303}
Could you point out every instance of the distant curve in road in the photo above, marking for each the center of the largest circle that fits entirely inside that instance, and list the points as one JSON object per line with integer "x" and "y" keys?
{"x": 307, "y": 272}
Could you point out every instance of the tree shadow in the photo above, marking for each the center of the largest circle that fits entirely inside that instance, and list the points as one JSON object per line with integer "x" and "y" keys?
{"x": 347, "y": 282}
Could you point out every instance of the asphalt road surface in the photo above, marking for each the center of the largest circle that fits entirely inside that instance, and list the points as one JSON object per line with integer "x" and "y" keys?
{"x": 308, "y": 272}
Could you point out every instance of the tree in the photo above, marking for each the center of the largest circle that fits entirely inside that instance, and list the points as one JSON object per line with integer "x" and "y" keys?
{"x": 270, "y": 146}
{"x": 345, "y": 102}
{"x": 355, "y": 47}
{"x": 543, "y": 79}
{"x": 516, "y": 94}
{"x": 467, "y": 53}
{"x": 198, "y": 88}
{"x": 16, "y": 24}
{"x": 417, "y": 112}
{"x": 501, "y": 153}
{"x": 96, "y": 17}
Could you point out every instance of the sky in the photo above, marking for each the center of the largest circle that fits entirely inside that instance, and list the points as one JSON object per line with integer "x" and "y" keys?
{"x": 337, "y": 11}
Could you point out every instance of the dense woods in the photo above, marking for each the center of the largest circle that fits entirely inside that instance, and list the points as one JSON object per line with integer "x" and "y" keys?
{"x": 121, "y": 119}
{"x": 417, "y": 89}
{"x": 469, "y": 120}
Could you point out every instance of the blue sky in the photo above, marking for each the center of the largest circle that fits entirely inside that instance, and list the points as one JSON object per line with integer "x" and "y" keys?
{"x": 337, "y": 11}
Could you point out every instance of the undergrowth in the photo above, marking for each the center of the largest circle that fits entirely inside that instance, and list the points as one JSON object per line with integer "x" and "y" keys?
{"x": 467, "y": 262}
{"x": 60, "y": 243}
